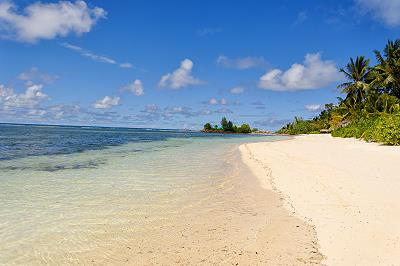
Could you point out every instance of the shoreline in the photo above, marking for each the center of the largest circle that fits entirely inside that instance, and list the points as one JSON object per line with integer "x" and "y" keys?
{"x": 345, "y": 188}
{"x": 238, "y": 223}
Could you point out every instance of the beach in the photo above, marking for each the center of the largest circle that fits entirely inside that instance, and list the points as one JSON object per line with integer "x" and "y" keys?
{"x": 347, "y": 189}
{"x": 189, "y": 198}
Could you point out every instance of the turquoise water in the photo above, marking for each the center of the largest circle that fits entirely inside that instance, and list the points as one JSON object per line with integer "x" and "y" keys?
{"x": 69, "y": 191}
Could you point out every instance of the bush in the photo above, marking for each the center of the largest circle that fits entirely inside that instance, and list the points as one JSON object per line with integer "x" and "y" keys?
{"x": 300, "y": 126}
{"x": 207, "y": 126}
{"x": 383, "y": 128}
{"x": 245, "y": 128}
{"x": 387, "y": 129}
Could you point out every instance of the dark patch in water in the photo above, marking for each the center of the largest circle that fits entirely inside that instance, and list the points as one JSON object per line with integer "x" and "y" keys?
{"x": 92, "y": 164}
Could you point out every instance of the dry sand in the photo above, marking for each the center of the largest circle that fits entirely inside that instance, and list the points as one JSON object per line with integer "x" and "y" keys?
{"x": 348, "y": 189}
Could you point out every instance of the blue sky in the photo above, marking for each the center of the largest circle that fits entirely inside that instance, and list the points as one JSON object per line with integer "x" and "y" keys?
{"x": 179, "y": 64}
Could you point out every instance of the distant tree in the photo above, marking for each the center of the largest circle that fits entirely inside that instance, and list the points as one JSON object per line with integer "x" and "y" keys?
{"x": 245, "y": 128}
{"x": 224, "y": 124}
{"x": 207, "y": 126}
{"x": 229, "y": 126}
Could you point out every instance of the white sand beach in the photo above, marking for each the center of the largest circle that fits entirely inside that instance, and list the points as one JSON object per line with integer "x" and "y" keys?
{"x": 348, "y": 189}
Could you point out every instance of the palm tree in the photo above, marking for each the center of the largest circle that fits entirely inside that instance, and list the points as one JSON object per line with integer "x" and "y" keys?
{"x": 357, "y": 72}
{"x": 386, "y": 74}
{"x": 391, "y": 49}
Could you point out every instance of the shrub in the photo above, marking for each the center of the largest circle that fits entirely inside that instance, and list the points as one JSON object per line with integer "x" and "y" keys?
{"x": 383, "y": 128}
{"x": 300, "y": 126}
{"x": 245, "y": 128}
{"x": 207, "y": 126}
{"x": 387, "y": 129}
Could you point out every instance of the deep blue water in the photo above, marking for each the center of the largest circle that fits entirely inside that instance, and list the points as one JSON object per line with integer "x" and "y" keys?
{"x": 18, "y": 141}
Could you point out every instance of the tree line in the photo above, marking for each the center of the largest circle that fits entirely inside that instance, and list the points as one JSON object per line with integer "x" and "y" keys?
{"x": 371, "y": 107}
{"x": 228, "y": 127}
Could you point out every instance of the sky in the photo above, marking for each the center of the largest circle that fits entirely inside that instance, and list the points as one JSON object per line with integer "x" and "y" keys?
{"x": 180, "y": 64}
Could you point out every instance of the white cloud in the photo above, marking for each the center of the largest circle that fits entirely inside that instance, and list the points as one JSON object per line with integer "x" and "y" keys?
{"x": 47, "y": 20}
{"x": 181, "y": 77}
{"x": 383, "y": 10}
{"x": 106, "y": 102}
{"x": 151, "y": 108}
{"x": 34, "y": 74}
{"x": 314, "y": 107}
{"x": 94, "y": 56}
{"x": 215, "y": 101}
{"x": 236, "y": 90}
{"x": 241, "y": 63}
{"x": 314, "y": 73}
{"x": 89, "y": 54}
{"x": 37, "y": 112}
{"x": 31, "y": 98}
{"x": 135, "y": 87}
{"x": 125, "y": 65}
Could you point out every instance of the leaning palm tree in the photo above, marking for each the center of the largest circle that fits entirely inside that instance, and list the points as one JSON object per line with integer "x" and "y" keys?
{"x": 357, "y": 72}
{"x": 386, "y": 75}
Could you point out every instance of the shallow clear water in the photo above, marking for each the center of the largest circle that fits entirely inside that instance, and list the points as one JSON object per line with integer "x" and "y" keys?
{"x": 68, "y": 191}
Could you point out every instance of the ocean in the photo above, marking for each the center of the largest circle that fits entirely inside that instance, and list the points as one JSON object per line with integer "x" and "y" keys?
{"x": 73, "y": 194}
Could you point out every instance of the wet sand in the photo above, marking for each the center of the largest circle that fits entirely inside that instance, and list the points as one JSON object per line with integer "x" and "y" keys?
{"x": 238, "y": 223}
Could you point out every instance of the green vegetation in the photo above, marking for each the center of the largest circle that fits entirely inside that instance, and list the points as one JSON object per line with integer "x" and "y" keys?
{"x": 228, "y": 127}
{"x": 371, "y": 108}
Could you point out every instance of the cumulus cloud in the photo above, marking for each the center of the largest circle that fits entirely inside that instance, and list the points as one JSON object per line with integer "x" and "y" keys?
{"x": 35, "y": 75}
{"x": 107, "y": 102}
{"x": 314, "y": 73}
{"x": 236, "y": 90}
{"x": 135, "y": 87}
{"x": 181, "y": 77}
{"x": 31, "y": 98}
{"x": 94, "y": 56}
{"x": 383, "y": 10}
{"x": 215, "y": 101}
{"x": 314, "y": 107}
{"x": 47, "y": 20}
{"x": 241, "y": 63}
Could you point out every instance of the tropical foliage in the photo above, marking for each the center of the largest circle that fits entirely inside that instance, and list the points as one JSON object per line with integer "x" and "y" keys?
{"x": 371, "y": 108}
{"x": 228, "y": 127}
